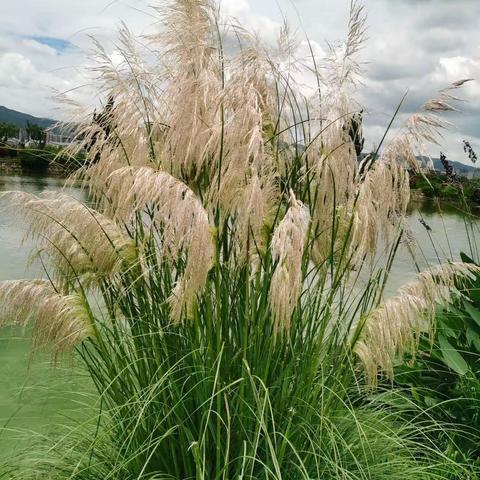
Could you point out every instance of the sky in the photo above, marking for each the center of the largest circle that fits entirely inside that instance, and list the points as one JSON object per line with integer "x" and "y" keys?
{"x": 417, "y": 46}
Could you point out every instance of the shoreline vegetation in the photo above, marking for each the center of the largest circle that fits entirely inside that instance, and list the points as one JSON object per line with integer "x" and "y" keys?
{"x": 214, "y": 286}
{"x": 434, "y": 185}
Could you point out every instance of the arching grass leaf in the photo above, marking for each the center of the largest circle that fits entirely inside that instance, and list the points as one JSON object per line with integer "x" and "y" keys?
{"x": 452, "y": 357}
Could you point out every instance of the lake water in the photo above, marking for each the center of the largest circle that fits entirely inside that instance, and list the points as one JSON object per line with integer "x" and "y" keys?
{"x": 34, "y": 396}
{"x": 443, "y": 241}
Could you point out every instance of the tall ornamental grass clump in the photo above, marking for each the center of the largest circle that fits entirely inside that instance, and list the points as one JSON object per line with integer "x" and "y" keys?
{"x": 216, "y": 293}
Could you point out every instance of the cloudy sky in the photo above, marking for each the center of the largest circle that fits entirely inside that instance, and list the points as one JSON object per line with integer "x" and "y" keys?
{"x": 414, "y": 45}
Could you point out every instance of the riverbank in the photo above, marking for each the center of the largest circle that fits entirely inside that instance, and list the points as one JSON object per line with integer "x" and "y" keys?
{"x": 11, "y": 166}
{"x": 440, "y": 186}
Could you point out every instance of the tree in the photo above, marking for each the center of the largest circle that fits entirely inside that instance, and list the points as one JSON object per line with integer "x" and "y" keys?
{"x": 355, "y": 131}
{"x": 37, "y": 134}
{"x": 104, "y": 122}
{"x": 7, "y": 130}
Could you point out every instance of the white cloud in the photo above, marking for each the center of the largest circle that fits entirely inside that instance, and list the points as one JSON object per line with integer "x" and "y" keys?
{"x": 234, "y": 7}
{"x": 459, "y": 67}
{"x": 16, "y": 70}
{"x": 40, "y": 48}
{"x": 27, "y": 88}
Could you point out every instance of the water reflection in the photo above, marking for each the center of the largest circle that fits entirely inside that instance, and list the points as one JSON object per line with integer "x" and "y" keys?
{"x": 31, "y": 184}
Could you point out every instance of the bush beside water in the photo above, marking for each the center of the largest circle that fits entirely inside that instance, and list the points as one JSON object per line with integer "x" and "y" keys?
{"x": 444, "y": 377}
{"x": 437, "y": 185}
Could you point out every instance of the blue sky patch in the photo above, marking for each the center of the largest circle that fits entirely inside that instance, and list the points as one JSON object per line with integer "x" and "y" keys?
{"x": 57, "y": 44}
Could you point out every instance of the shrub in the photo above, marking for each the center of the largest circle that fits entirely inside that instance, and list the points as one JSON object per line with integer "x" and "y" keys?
{"x": 445, "y": 378}
{"x": 450, "y": 191}
{"x": 428, "y": 191}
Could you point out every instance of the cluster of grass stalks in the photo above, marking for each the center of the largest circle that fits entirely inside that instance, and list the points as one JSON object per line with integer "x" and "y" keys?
{"x": 215, "y": 291}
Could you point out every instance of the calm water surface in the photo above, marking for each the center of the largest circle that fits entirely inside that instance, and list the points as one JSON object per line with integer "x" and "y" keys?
{"x": 34, "y": 396}
{"x": 444, "y": 241}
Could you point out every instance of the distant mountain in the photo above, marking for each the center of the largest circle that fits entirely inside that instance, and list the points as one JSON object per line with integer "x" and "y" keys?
{"x": 458, "y": 167}
{"x": 20, "y": 119}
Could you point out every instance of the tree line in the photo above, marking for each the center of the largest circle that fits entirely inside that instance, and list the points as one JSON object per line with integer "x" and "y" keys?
{"x": 35, "y": 132}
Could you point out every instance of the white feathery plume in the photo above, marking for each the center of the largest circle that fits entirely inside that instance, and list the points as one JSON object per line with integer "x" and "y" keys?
{"x": 343, "y": 70}
{"x": 395, "y": 327}
{"x": 333, "y": 152}
{"x": 288, "y": 243}
{"x": 375, "y": 201}
{"x": 425, "y": 126}
{"x": 383, "y": 191}
{"x": 61, "y": 320}
{"x": 248, "y": 116}
{"x": 335, "y": 190}
{"x": 129, "y": 128}
{"x": 78, "y": 239}
{"x": 345, "y": 67}
{"x": 180, "y": 215}
{"x": 194, "y": 85}
{"x": 382, "y": 199}
{"x": 254, "y": 212}
{"x": 422, "y": 127}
